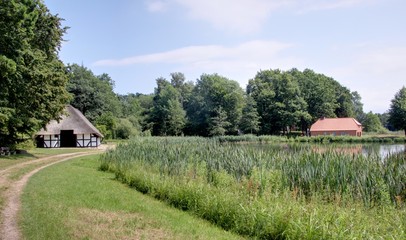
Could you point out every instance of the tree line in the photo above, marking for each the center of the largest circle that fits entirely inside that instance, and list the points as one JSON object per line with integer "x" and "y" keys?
{"x": 35, "y": 86}
{"x": 273, "y": 102}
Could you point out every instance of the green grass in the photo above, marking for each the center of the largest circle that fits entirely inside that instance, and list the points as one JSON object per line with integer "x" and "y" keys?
{"x": 72, "y": 200}
{"x": 35, "y": 153}
{"x": 368, "y": 138}
{"x": 289, "y": 192}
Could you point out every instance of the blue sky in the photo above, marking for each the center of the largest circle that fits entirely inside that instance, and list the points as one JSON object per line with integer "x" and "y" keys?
{"x": 360, "y": 43}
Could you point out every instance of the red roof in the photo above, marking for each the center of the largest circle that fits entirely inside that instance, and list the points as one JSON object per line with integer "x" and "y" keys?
{"x": 336, "y": 124}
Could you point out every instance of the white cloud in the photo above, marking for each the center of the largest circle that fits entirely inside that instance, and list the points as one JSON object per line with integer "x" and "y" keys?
{"x": 156, "y": 5}
{"x": 320, "y": 5}
{"x": 248, "y": 51}
{"x": 247, "y": 16}
{"x": 240, "y": 62}
{"x": 232, "y": 15}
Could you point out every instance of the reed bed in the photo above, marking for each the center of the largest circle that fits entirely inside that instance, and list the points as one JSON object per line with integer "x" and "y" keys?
{"x": 279, "y": 192}
{"x": 317, "y": 139}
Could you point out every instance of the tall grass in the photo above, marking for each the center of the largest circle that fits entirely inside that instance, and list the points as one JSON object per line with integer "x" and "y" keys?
{"x": 316, "y": 139}
{"x": 235, "y": 186}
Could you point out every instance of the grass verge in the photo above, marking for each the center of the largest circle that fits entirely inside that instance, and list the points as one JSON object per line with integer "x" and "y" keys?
{"x": 32, "y": 154}
{"x": 72, "y": 200}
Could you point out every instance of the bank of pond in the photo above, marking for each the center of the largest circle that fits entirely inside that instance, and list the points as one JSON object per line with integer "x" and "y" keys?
{"x": 272, "y": 191}
{"x": 296, "y": 137}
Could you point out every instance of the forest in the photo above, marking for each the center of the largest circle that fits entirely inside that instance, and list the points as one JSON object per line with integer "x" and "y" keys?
{"x": 274, "y": 102}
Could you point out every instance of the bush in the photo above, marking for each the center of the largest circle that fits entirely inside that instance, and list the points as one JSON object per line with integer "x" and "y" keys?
{"x": 125, "y": 129}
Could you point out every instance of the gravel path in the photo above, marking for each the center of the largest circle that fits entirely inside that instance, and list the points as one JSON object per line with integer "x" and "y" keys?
{"x": 11, "y": 190}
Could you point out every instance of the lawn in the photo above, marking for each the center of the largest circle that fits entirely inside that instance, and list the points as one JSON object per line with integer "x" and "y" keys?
{"x": 73, "y": 200}
{"x": 35, "y": 153}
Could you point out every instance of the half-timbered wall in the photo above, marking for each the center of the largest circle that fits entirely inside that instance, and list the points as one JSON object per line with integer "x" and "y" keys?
{"x": 82, "y": 140}
{"x": 51, "y": 141}
{"x": 87, "y": 140}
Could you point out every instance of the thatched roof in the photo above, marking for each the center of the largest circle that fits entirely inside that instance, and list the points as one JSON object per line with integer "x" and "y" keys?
{"x": 74, "y": 120}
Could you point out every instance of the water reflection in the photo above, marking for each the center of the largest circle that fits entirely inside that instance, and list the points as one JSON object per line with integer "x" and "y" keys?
{"x": 369, "y": 149}
{"x": 383, "y": 149}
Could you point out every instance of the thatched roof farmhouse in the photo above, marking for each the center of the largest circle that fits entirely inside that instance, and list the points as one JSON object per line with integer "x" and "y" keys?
{"x": 73, "y": 130}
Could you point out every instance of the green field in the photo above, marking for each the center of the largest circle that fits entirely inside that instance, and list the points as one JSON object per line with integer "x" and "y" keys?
{"x": 73, "y": 200}
{"x": 291, "y": 192}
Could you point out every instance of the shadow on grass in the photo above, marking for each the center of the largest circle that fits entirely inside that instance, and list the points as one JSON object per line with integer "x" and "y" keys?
{"x": 19, "y": 154}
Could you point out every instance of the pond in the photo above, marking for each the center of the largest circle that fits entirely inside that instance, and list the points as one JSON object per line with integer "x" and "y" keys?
{"x": 366, "y": 149}
{"x": 383, "y": 149}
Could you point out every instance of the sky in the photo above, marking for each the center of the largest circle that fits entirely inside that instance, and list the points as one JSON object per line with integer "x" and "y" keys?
{"x": 359, "y": 43}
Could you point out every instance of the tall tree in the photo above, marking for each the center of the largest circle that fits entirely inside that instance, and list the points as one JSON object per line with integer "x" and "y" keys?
{"x": 92, "y": 95}
{"x": 250, "y": 118}
{"x": 261, "y": 89}
{"x": 211, "y": 92}
{"x": 107, "y": 124}
{"x": 176, "y": 117}
{"x": 358, "y": 107}
{"x": 371, "y": 123}
{"x": 344, "y": 99}
{"x": 384, "y": 117}
{"x": 218, "y": 123}
{"x": 289, "y": 106}
{"x": 32, "y": 78}
{"x": 178, "y": 81}
{"x": 397, "y": 111}
{"x": 318, "y": 92}
{"x": 137, "y": 108}
{"x": 285, "y": 107}
{"x": 167, "y": 115}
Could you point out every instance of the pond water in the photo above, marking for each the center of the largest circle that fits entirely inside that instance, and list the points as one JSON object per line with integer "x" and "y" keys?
{"x": 383, "y": 149}
{"x": 366, "y": 149}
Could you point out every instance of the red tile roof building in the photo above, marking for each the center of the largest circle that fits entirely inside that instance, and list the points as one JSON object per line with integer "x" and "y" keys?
{"x": 336, "y": 127}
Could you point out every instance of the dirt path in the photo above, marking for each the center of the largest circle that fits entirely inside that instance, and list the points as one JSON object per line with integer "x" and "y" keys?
{"x": 11, "y": 190}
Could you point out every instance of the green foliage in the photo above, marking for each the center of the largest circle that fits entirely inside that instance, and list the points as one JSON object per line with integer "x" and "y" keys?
{"x": 125, "y": 129}
{"x": 92, "y": 95}
{"x": 106, "y": 123}
{"x": 294, "y": 99}
{"x": 211, "y": 93}
{"x": 316, "y": 191}
{"x": 167, "y": 115}
{"x": 250, "y": 119}
{"x": 344, "y": 99}
{"x": 185, "y": 89}
{"x": 137, "y": 108}
{"x": 372, "y": 123}
{"x": 276, "y": 102}
{"x": 318, "y": 92}
{"x": 384, "y": 117}
{"x": 358, "y": 107}
{"x": 218, "y": 123}
{"x": 281, "y": 105}
{"x": 397, "y": 111}
{"x": 32, "y": 78}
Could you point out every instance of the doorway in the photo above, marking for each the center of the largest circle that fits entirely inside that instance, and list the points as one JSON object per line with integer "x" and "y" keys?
{"x": 68, "y": 139}
{"x": 40, "y": 141}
